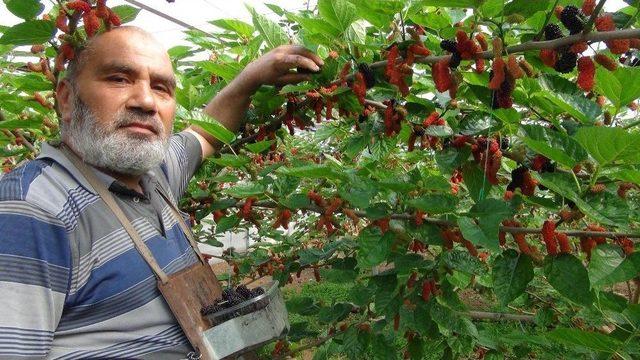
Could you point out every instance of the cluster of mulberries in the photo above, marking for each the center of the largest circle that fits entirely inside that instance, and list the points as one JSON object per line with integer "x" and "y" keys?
{"x": 465, "y": 48}
{"x": 426, "y": 141}
{"x": 503, "y": 82}
{"x": 521, "y": 178}
{"x": 442, "y": 77}
{"x": 397, "y": 70}
{"x": 230, "y": 298}
{"x": 488, "y": 155}
{"x": 92, "y": 19}
{"x": 393, "y": 116}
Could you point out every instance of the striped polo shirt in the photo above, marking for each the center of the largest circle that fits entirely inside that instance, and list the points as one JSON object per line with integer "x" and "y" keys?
{"x": 72, "y": 283}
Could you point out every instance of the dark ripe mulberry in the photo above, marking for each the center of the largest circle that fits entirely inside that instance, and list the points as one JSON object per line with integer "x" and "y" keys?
{"x": 227, "y": 293}
{"x": 257, "y": 291}
{"x": 504, "y": 143}
{"x": 243, "y": 291}
{"x": 573, "y": 19}
{"x": 210, "y": 309}
{"x": 454, "y": 62}
{"x": 566, "y": 63}
{"x": 552, "y": 32}
{"x": 517, "y": 178}
{"x": 369, "y": 79}
{"x": 449, "y": 45}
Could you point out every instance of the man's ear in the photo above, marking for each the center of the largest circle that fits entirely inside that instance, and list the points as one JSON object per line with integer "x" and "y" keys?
{"x": 64, "y": 98}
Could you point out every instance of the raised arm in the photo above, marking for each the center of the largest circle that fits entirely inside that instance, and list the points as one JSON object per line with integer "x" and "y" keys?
{"x": 273, "y": 68}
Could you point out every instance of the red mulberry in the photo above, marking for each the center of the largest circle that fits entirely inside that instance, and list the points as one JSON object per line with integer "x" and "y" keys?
{"x": 588, "y": 6}
{"x": 605, "y": 23}
{"x": 548, "y": 236}
{"x": 549, "y": 57}
{"x": 498, "y": 73}
{"x": 586, "y": 73}
{"x": 513, "y": 67}
{"x": 606, "y": 62}
{"x": 441, "y": 75}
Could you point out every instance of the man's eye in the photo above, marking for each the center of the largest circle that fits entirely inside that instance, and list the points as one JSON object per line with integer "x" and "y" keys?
{"x": 118, "y": 79}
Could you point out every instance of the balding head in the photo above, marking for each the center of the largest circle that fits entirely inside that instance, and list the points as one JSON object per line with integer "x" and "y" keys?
{"x": 84, "y": 54}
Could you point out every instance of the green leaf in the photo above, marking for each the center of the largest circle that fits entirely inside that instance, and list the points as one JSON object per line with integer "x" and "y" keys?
{"x": 435, "y": 203}
{"x": 313, "y": 171}
{"x": 621, "y": 86}
{"x": 563, "y": 184}
{"x": 215, "y": 129}
{"x": 126, "y": 13}
{"x": 472, "y": 231}
{"x": 374, "y": 247}
{"x": 452, "y": 3}
{"x": 627, "y": 270}
{"x": 554, "y": 145}
{"x": 29, "y": 32}
{"x": 629, "y": 175}
{"x": 450, "y": 322}
{"x": 569, "y": 277}
{"x": 578, "y": 106}
{"x": 604, "y": 260}
{"x": 339, "y": 13}
{"x": 378, "y": 12}
{"x": 231, "y": 160}
{"x": 259, "y": 146}
{"x": 525, "y": 8}
{"x": 512, "y": 272}
{"x": 25, "y": 9}
{"x": 476, "y": 181}
{"x": 245, "y": 190}
{"x": 271, "y": 32}
{"x": 461, "y": 260}
{"x": 227, "y": 71}
{"x": 610, "y": 144}
{"x": 335, "y": 313}
{"x": 489, "y": 214}
{"x": 226, "y": 223}
{"x": 581, "y": 338}
{"x": 237, "y": 26}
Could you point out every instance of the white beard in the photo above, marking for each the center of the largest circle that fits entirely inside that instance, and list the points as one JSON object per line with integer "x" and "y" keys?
{"x": 107, "y": 147}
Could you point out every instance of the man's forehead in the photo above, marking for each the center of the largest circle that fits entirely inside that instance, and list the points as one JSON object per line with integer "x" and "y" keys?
{"x": 133, "y": 48}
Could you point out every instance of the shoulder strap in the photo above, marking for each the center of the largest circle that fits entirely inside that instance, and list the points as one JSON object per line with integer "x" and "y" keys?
{"x": 183, "y": 225}
{"x": 115, "y": 209}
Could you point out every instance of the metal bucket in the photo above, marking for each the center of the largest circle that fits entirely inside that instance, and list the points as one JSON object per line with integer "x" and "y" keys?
{"x": 247, "y": 328}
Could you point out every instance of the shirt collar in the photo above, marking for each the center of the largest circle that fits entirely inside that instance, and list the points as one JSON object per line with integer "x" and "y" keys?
{"x": 51, "y": 150}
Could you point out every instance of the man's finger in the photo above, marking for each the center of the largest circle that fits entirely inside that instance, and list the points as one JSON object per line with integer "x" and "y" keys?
{"x": 299, "y": 61}
{"x": 301, "y": 50}
{"x": 292, "y": 78}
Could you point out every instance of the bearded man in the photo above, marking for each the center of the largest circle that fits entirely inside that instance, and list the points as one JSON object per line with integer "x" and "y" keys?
{"x": 72, "y": 283}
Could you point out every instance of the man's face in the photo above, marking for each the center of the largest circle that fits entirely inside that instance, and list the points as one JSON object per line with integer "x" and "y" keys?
{"x": 122, "y": 107}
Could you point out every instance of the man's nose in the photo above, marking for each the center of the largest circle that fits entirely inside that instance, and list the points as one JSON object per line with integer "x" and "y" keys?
{"x": 142, "y": 98}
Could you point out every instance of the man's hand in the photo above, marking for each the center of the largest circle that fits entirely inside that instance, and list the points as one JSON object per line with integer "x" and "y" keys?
{"x": 273, "y": 68}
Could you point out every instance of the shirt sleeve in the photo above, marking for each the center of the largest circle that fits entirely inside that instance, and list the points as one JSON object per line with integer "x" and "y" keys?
{"x": 35, "y": 267}
{"x": 184, "y": 157}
